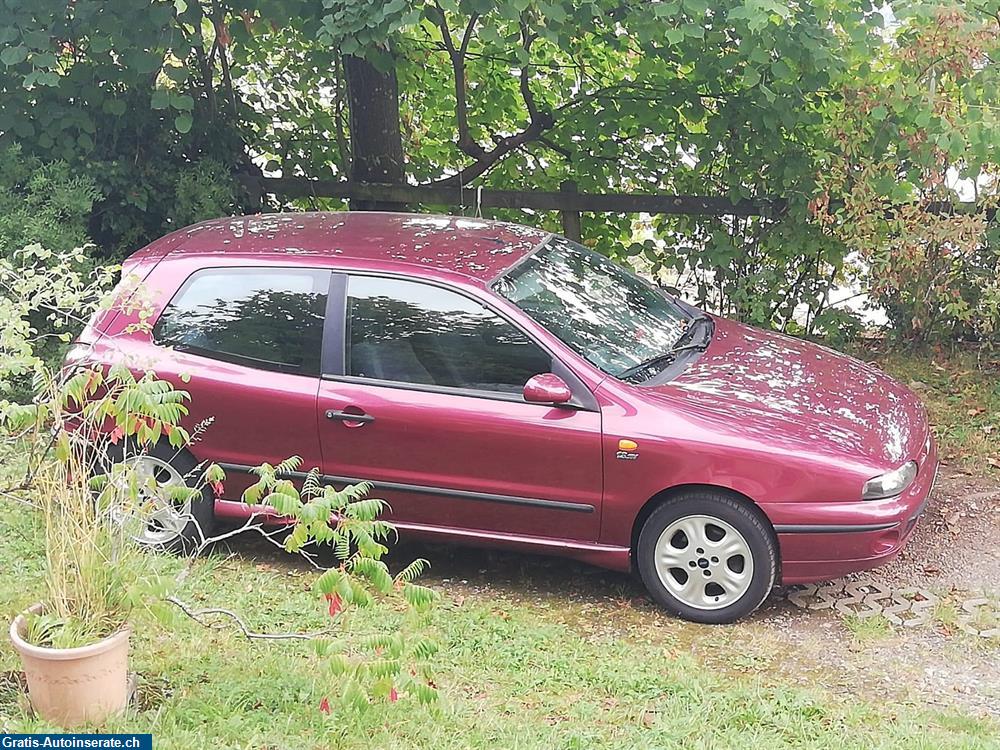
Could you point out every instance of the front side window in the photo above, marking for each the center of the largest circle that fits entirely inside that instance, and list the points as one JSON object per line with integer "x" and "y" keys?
{"x": 270, "y": 318}
{"x": 607, "y": 315}
{"x": 409, "y": 332}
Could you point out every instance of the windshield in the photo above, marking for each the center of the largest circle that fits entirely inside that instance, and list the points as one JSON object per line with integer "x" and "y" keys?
{"x": 604, "y": 313}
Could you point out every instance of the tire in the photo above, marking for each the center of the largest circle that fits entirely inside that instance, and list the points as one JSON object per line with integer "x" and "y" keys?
{"x": 181, "y": 534}
{"x": 701, "y": 586}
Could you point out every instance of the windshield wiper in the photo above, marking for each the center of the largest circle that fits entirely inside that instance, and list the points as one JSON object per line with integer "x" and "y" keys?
{"x": 628, "y": 372}
{"x": 689, "y": 328}
{"x": 677, "y": 348}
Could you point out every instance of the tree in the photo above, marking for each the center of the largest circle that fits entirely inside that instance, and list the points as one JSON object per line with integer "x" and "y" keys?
{"x": 740, "y": 98}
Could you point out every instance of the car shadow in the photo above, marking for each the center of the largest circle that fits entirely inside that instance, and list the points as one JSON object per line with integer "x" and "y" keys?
{"x": 457, "y": 571}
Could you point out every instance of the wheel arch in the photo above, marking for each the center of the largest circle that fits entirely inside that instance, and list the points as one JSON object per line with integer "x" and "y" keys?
{"x": 668, "y": 494}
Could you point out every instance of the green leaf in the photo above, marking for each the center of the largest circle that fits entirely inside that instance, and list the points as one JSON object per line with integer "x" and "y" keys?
{"x": 37, "y": 39}
{"x": 183, "y": 122}
{"x": 751, "y": 77}
{"x": 182, "y": 102}
{"x": 674, "y": 36}
{"x": 665, "y": 10}
{"x": 176, "y": 73}
{"x": 99, "y": 44}
{"x": 694, "y": 30}
{"x": 13, "y": 55}
{"x": 160, "y": 99}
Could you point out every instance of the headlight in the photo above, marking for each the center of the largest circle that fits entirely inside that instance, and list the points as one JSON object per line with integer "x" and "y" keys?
{"x": 891, "y": 483}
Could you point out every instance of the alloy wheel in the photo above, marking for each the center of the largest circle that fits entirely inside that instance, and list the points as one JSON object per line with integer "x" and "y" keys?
{"x": 704, "y": 562}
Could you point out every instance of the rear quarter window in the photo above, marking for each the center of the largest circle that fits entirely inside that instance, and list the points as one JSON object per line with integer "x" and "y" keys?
{"x": 268, "y": 318}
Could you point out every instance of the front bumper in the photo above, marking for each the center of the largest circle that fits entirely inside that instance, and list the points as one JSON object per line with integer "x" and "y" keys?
{"x": 820, "y": 541}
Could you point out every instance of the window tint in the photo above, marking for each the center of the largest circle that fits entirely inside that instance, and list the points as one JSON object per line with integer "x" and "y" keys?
{"x": 270, "y": 318}
{"x": 410, "y": 332}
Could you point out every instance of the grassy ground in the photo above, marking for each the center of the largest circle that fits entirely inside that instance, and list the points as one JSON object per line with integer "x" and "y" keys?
{"x": 529, "y": 670}
{"x": 962, "y": 393}
{"x": 513, "y": 674}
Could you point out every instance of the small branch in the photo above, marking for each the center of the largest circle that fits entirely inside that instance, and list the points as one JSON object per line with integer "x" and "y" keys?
{"x": 11, "y": 494}
{"x": 538, "y": 121}
{"x": 343, "y": 145}
{"x": 206, "y": 81}
{"x": 198, "y": 616}
{"x": 557, "y": 148}
{"x": 529, "y": 99}
{"x": 457, "y": 56}
{"x": 505, "y": 145}
{"x": 218, "y": 22}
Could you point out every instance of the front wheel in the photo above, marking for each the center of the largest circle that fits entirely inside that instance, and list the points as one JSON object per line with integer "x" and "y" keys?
{"x": 707, "y": 557}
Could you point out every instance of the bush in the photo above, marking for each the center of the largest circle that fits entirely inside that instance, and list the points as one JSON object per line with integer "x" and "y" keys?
{"x": 43, "y": 202}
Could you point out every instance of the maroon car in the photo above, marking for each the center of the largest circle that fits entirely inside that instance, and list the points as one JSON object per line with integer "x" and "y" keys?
{"x": 506, "y": 387}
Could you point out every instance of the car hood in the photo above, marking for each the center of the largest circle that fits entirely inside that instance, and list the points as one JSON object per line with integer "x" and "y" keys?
{"x": 786, "y": 392}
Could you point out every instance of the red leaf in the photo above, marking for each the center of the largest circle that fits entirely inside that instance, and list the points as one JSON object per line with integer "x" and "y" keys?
{"x": 324, "y": 706}
{"x": 116, "y": 434}
{"x": 167, "y": 428}
{"x": 218, "y": 488}
{"x": 335, "y": 604}
{"x": 393, "y": 695}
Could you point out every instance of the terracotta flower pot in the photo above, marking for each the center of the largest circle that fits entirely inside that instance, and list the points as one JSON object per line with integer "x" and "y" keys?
{"x": 74, "y": 686}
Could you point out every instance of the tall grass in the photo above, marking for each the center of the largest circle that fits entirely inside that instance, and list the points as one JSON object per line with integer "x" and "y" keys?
{"x": 91, "y": 567}
{"x": 94, "y": 571}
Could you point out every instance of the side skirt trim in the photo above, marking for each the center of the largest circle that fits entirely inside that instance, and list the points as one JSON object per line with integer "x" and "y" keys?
{"x": 444, "y": 491}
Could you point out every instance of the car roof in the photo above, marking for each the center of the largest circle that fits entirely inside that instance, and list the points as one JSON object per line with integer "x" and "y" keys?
{"x": 478, "y": 249}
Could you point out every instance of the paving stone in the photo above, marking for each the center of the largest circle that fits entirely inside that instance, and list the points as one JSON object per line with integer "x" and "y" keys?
{"x": 908, "y": 607}
{"x": 972, "y": 609}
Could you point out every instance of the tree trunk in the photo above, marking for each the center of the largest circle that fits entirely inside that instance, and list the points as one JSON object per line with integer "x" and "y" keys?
{"x": 376, "y": 143}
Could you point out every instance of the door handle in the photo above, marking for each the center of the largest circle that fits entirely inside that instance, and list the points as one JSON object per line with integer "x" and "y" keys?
{"x": 346, "y": 416}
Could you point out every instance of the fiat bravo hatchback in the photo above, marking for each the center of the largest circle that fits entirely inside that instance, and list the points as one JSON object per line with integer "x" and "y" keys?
{"x": 506, "y": 387}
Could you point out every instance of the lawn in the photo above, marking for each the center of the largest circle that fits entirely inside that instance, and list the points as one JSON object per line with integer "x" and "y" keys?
{"x": 523, "y": 669}
{"x": 962, "y": 393}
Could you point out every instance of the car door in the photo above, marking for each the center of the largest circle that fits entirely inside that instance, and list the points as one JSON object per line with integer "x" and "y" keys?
{"x": 246, "y": 343}
{"x": 426, "y": 402}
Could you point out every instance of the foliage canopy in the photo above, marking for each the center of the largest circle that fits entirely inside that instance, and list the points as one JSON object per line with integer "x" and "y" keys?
{"x": 838, "y": 111}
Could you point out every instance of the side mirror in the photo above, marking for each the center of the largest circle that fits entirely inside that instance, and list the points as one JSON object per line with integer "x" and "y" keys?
{"x": 547, "y": 389}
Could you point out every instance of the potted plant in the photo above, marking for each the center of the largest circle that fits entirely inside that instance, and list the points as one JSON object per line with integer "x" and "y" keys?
{"x": 74, "y": 642}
